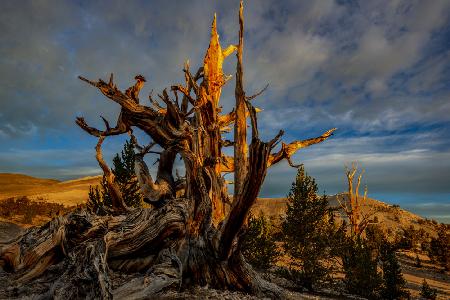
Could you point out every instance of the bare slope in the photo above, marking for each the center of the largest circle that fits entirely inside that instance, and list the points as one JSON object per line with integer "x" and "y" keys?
{"x": 68, "y": 193}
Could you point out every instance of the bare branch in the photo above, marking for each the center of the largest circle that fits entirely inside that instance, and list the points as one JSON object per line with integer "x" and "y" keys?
{"x": 108, "y": 128}
{"x": 287, "y": 150}
{"x": 111, "y": 91}
{"x": 133, "y": 91}
{"x": 155, "y": 192}
{"x": 258, "y": 93}
{"x": 253, "y": 119}
{"x": 142, "y": 150}
{"x": 230, "y": 49}
{"x": 230, "y": 118}
{"x": 119, "y": 129}
{"x": 118, "y": 203}
{"x": 155, "y": 103}
{"x": 185, "y": 92}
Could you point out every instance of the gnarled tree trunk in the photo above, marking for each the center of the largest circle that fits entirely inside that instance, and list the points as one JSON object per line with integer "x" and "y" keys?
{"x": 182, "y": 241}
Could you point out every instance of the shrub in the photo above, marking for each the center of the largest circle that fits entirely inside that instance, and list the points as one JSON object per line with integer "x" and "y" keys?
{"x": 308, "y": 231}
{"x": 428, "y": 292}
{"x": 258, "y": 244}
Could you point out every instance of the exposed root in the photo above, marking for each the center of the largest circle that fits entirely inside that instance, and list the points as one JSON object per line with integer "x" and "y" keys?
{"x": 79, "y": 247}
{"x": 76, "y": 256}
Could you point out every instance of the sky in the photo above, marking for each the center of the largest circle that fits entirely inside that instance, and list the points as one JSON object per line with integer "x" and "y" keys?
{"x": 379, "y": 71}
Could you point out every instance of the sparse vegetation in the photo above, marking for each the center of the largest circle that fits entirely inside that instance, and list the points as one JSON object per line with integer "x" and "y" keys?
{"x": 29, "y": 209}
{"x": 439, "y": 249}
{"x": 311, "y": 239}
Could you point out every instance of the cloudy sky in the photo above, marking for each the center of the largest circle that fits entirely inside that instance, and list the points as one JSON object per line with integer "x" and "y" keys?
{"x": 377, "y": 70}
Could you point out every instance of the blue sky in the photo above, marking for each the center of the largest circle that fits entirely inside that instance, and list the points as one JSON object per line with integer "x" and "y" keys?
{"x": 377, "y": 70}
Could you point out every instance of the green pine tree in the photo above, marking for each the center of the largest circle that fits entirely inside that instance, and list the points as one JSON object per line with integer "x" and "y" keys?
{"x": 258, "y": 244}
{"x": 360, "y": 268}
{"x": 307, "y": 231}
{"x": 428, "y": 292}
{"x": 123, "y": 168}
{"x": 393, "y": 281}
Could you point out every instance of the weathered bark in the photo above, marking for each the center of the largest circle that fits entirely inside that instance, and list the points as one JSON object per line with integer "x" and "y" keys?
{"x": 84, "y": 245}
{"x": 117, "y": 202}
{"x": 164, "y": 187}
{"x": 188, "y": 237}
{"x": 240, "y": 127}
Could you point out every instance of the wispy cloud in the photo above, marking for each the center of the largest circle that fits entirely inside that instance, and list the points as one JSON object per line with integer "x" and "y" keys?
{"x": 377, "y": 70}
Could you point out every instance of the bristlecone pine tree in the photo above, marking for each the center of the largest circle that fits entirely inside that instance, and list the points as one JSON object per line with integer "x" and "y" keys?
{"x": 308, "y": 232}
{"x": 100, "y": 200}
{"x": 187, "y": 240}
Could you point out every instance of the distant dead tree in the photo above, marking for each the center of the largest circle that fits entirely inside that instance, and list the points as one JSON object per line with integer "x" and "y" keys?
{"x": 185, "y": 240}
{"x": 352, "y": 203}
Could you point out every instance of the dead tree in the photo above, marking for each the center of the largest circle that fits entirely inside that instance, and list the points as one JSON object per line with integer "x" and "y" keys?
{"x": 185, "y": 240}
{"x": 351, "y": 206}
